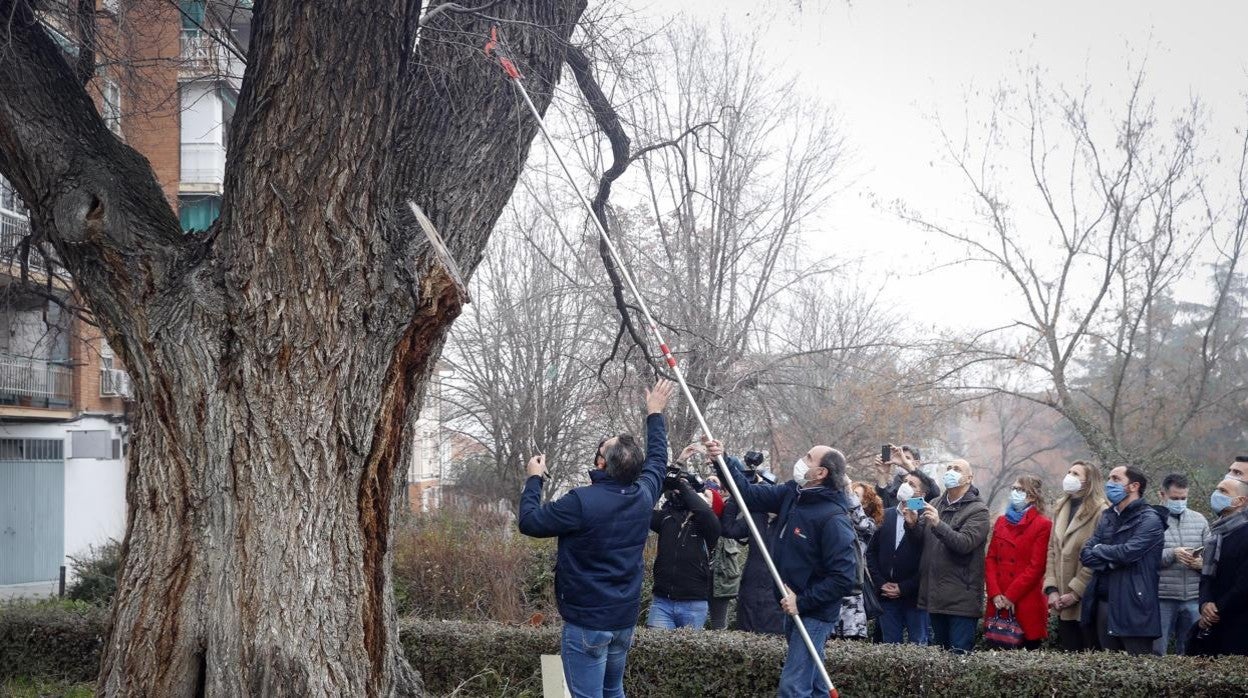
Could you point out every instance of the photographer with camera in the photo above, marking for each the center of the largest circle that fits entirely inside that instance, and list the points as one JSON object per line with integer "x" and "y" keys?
{"x": 602, "y": 532}
{"x": 688, "y": 531}
{"x": 902, "y": 463}
{"x": 814, "y": 550}
{"x": 757, "y": 611}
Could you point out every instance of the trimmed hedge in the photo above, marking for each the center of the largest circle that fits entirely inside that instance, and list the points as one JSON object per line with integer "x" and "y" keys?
{"x": 451, "y": 655}
{"x": 57, "y": 640}
{"x": 63, "y": 642}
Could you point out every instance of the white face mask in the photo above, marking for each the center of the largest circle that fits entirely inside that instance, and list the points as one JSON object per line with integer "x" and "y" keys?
{"x": 906, "y": 491}
{"x": 1071, "y": 484}
{"x": 799, "y": 472}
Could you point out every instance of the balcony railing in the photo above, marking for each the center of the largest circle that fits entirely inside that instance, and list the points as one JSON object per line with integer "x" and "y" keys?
{"x": 29, "y": 382}
{"x": 115, "y": 383}
{"x": 202, "y": 54}
{"x": 14, "y": 229}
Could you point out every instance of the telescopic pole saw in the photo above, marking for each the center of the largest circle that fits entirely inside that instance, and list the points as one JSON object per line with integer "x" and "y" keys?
{"x": 495, "y": 51}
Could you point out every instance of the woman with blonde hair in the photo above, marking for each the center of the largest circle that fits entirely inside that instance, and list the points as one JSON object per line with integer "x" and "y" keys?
{"x": 1074, "y": 519}
{"x": 1016, "y": 559}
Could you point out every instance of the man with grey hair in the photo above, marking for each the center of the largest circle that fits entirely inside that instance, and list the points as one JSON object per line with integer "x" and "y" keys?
{"x": 954, "y": 532}
{"x": 1224, "y": 577}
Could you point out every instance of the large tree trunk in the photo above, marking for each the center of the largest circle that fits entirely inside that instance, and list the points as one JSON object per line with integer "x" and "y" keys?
{"x": 279, "y": 359}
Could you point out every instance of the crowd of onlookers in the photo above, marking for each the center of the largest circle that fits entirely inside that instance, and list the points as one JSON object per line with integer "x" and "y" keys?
{"x": 904, "y": 559}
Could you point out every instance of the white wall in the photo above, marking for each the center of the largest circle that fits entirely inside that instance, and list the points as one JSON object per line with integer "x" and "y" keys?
{"x": 201, "y": 114}
{"x": 95, "y": 490}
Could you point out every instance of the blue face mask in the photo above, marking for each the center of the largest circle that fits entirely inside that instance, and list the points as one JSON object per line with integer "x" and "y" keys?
{"x": 1018, "y": 500}
{"x": 1219, "y": 501}
{"x": 1176, "y": 506}
{"x": 952, "y": 479}
{"x": 1115, "y": 492}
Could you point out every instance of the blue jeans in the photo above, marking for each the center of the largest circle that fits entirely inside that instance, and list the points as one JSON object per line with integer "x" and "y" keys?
{"x": 593, "y": 661}
{"x": 899, "y": 617}
{"x": 1177, "y": 617}
{"x": 668, "y": 614}
{"x": 799, "y": 678}
{"x": 955, "y": 633}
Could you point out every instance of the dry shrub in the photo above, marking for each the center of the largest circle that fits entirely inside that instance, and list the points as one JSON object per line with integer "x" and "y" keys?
{"x": 471, "y": 564}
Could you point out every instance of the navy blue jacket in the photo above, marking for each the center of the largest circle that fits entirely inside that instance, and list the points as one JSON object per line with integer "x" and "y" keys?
{"x": 602, "y": 530}
{"x": 1124, "y": 554}
{"x": 815, "y": 548}
{"x": 899, "y": 564}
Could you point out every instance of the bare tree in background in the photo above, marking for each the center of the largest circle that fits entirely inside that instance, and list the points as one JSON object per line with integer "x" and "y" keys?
{"x": 525, "y": 358}
{"x": 279, "y": 357}
{"x": 1126, "y": 207}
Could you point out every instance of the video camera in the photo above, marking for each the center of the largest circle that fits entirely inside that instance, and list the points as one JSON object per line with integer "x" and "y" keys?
{"x": 675, "y": 475}
{"x": 754, "y": 459}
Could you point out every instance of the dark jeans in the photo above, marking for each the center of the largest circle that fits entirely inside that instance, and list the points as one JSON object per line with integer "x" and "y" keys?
{"x": 956, "y": 633}
{"x": 1072, "y": 636}
{"x": 719, "y": 613}
{"x": 899, "y": 617}
{"x": 1117, "y": 643}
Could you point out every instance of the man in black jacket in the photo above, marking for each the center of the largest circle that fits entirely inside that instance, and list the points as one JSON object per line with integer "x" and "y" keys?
{"x": 1224, "y": 577}
{"x": 893, "y": 558}
{"x": 688, "y": 531}
{"x": 1124, "y": 554}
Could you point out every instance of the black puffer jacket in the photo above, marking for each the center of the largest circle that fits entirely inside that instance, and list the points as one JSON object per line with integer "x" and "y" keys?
{"x": 688, "y": 531}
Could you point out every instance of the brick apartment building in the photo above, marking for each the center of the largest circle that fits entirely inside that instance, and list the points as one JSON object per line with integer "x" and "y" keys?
{"x": 166, "y": 85}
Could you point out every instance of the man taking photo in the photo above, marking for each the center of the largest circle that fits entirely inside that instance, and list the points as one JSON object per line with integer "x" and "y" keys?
{"x": 602, "y": 530}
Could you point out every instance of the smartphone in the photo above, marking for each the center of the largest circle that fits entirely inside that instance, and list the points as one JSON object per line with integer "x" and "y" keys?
{"x": 886, "y": 453}
{"x": 915, "y": 504}
{"x": 1198, "y": 551}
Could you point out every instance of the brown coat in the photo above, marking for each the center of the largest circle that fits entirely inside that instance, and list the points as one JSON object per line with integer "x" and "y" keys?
{"x": 1063, "y": 569}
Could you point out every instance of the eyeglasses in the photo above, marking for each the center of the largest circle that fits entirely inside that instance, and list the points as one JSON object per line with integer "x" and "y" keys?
{"x": 1018, "y": 489}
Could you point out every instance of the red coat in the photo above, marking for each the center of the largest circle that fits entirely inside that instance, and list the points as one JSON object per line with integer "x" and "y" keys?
{"x": 1015, "y": 567}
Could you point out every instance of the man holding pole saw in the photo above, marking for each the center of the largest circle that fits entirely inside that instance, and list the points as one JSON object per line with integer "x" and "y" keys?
{"x": 814, "y": 551}
{"x": 602, "y": 530}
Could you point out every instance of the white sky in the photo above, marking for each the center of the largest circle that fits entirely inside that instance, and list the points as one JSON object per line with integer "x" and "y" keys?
{"x": 888, "y": 65}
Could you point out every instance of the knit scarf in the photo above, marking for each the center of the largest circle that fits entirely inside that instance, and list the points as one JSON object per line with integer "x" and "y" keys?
{"x": 1013, "y": 515}
{"x": 1218, "y": 531}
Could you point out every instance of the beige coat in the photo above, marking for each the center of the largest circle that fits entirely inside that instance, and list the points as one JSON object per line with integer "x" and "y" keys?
{"x": 1065, "y": 542}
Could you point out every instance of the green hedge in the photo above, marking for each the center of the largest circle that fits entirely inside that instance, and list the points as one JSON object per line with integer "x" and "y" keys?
{"x": 453, "y": 655}
{"x": 57, "y": 640}
{"x": 62, "y": 642}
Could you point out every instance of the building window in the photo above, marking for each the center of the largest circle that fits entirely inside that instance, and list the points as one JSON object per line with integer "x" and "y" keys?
{"x": 192, "y": 15}
{"x": 111, "y": 93}
{"x": 198, "y": 212}
{"x": 96, "y": 444}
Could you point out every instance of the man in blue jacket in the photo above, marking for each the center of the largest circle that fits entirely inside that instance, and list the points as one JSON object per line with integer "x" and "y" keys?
{"x": 1124, "y": 554}
{"x": 815, "y": 551}
{"x": 602, "y": 530}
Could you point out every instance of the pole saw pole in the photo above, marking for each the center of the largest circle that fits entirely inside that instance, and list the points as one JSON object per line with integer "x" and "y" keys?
{"x": 494, "y": 50}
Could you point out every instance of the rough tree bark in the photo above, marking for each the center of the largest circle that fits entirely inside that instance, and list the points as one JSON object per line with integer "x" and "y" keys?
{"x": 278, "y": 358}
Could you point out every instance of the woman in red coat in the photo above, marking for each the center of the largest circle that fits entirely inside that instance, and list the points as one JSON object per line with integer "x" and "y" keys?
{"x": 1014, "y": 567}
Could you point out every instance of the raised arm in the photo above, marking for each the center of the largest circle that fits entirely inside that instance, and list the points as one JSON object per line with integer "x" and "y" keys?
{"x": 652, "y": 472}
{"x": 556, "y": 518}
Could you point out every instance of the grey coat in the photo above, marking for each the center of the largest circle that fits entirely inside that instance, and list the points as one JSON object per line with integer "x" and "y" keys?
{"x": 1178, "y": 581}
{"x": 952, "y": 580}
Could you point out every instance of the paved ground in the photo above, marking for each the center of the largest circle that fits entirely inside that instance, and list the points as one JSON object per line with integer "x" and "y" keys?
{"x": 32, "y": 590}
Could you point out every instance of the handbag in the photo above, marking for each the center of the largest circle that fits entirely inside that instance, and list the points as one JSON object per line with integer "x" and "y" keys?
{"x": 1003, "y": 630}
{"x": 871, "y": 598}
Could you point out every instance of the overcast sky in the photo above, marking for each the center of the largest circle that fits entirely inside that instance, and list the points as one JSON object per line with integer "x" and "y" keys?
{"x": 888, "y": 65}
